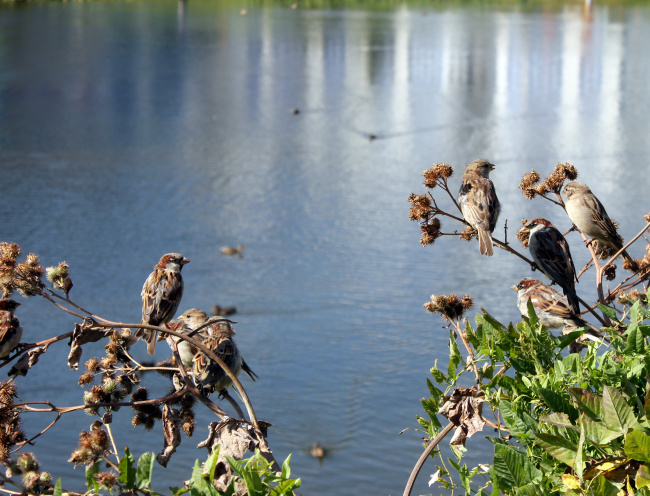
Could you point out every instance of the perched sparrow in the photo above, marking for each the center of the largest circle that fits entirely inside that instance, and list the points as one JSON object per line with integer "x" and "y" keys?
{"x": 10, "y": 329}
{"x": 589, "y": 215}
{"x": 479, "y": 203}
{"x": 552, "y": 308}
{"x": 551, "y": 254}
{"x": 208, "y": 375}
{"x": 161, "y": 295}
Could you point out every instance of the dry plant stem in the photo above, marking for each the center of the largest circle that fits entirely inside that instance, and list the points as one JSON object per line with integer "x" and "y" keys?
{"x": 424, "y": 456}
{"x": 29, "y": 441}
{"x": 507, "y": 247}
{"x": 460, "y": 332}
{"x": 627, "y": 245}
{"x": 225, "y": 395}
{"x": 110, "y": 435}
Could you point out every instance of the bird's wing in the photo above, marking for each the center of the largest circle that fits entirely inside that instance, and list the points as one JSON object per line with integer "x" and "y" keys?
{"x": 479, "y": 203}
{"x": 161, "y": 294}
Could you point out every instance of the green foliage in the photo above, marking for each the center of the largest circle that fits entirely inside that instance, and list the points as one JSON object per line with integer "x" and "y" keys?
{"x": 568, "y": 423}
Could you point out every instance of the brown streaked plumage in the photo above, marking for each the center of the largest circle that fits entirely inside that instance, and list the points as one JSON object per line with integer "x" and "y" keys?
{"x": 10, "y": 329}
{"x": 479, "y": 203}
{"x": 207, "y": 374}
{"x": 589, "y": 215}
{"x": 161, "y": 295}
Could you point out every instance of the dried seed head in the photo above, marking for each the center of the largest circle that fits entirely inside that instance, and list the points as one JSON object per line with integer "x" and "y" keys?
{"x": 92, "y": 365}
{"x": 449, "y": 306}
{"x": 468, "y": 233}
{"x": 527, "y": 184}
{"x": 523, "y": 235}
{"x": 108, "y": 362}
{"x": 26, "y": 462}
{"x": 430, "y": 231}
{"x": 610, "y": 272}
{"x": 421, "y": 207}
{"x": 138, "y": 419}
{"x": 435, "y": 172}
{"x": 106, "y": 479}
{"x": 9, "y": 250}
{"x": 568, "y": 171}
{"x": 647, "y": 217}
{"x": 86, "y": 378}
{"x": 140, "y": 394}
{"x": 31, "y": 479}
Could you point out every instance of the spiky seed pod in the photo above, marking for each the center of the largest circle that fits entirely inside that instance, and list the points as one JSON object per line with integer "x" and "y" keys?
{"x": 189, "y": 423}
{"x": 138, "y": 419}
{"x": 610, "y": 272}
{"x": 27, "y": 276}
{"x": 468, "y": 233}
{"x": 108, "y": 362}
{"x": 31, "y": 479}
{"x": 46, "y": 478}
{"x": 9, "y": 251}
{"x": 527, "y": 184}
{"x": 449, "y": 306}
{"x": 92, "y": 365}
{"x": 436, "y": 172}
{"x": 420, "y": 207}
{"x": 106, "y": 479}
{"x": 26, "y": 462}
{"x": 86, "y": 378}
{"x": 523, "y": 235}
{"x": 140, "y": 394}
{"x": 430, "y": 231}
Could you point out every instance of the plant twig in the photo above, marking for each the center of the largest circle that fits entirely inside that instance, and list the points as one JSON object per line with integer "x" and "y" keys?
{"x": 423, "y": 457}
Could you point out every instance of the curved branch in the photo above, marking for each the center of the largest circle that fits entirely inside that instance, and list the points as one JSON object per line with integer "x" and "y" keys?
{"x": 420, "y": 463}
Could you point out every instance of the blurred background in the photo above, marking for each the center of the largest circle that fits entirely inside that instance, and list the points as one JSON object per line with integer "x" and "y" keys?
{"x": 133, "y": 129}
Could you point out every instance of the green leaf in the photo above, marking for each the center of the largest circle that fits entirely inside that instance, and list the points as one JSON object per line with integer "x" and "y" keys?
{"x": 525, "y": 367}
{"x": 588, "y": 402}
{"x": 57, "y": 488}
{"x": 285, "y": 487}
{"x": 127, "y": 471}
{"x": 91, "y": 482}
{"x": 618, "y": 415}
{"x": 557, "y": 419}
{"x": 437, "y": 374}
{"x": 286, "y": 470}
{"x": 513, "y": 468}
{"x": 145, "y": 468}
{"x": 558, "y": 447}
{"x": 601, "y": 486}
{"x": 210, "y": 464}
{"x": 637, "y": 446}
{"x": 471, "y": 337}
{"x": 635, "y": 341}
{"x": 642, "y": 478}
{"x": 610, "y": 312}
{"x": 251, "y": 478}
{"x": 532, "y": 316}
{"x": 566, "y": 339}
{"x": 520, "y": 424}
{"x": 598, "y": 433}
{"x": 579, "y": 465}
{"x": 558, "y": 403}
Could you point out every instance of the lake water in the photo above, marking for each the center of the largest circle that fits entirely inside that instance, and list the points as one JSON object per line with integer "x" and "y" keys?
{"x": 133, "y": 129}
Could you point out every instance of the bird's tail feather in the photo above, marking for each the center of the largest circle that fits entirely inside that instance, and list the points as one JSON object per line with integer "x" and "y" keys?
{"x": 485, "y": 242}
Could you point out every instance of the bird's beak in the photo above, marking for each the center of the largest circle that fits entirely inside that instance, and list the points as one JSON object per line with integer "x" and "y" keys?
{"x": 514, "y": 287}
{"x": 524, "y": 230}
{"x": 185, "y": 261}
{"x": 17, "y": 304}
{"x": 491, "y": 167}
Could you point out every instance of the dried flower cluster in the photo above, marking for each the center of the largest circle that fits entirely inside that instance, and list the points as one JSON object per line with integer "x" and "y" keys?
{"x": 10, "y": 424}
{"x": 59, "y": 277}
{"x": 27, "y": 467}
{"x": 468, "y": 233}
{"x": 430, "y": 231}
{"x": 9, "y": 252}
{"x": 107, "y": 479}
{"x": 450, "y": 307}
{"x": 633, "y": 296}
{"x": 420, "y": 207}
{"x": 531, "y": 187}
{"x": 144, "y": 414}
{"x": 93, "y": 445}
{"x": 27, "y": 276}
{"x": 523, "y": 234}
{"x": 436, "y": 172}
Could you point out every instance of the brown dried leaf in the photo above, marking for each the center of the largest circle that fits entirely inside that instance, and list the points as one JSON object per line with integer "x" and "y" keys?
{"x": 27, "y": 361}
{"x": 464, "y": 408}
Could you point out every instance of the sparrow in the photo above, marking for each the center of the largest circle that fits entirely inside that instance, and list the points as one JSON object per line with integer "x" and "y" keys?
{"x": 552, "y": 256}
{"x": 479, "y": 203}
{"x": 161, "y": 295}
{"x": 206, "y": 373}
{"x": 589, "y": 215}
{"x": 552, "y": 308}
{"x": 10, "y": 329}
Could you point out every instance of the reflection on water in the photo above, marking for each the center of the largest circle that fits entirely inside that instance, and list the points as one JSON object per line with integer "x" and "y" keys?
{"x": 128, "y": 130}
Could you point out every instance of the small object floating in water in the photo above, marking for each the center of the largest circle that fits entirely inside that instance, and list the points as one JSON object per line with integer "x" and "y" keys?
{"x": 243, "y": 12}
{"x": 295, "y": 5}
{"x": 231, "y": 250}
{"x": 317, "y": 451}
{"x": 372, "y": 137}
{"x": 217, "y": 310}
{"x": 295, "y": 111}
